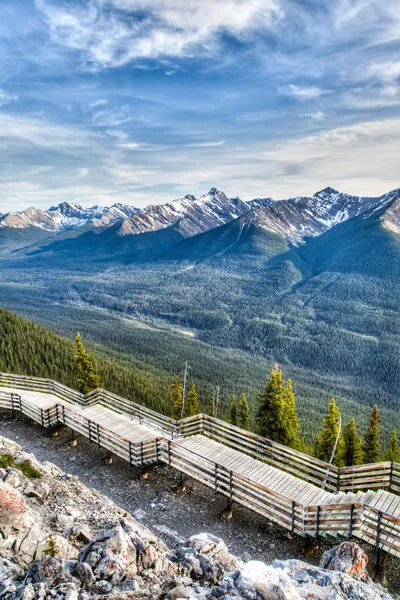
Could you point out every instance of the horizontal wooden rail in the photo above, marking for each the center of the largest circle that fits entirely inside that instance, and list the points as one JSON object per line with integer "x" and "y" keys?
{"x": 385, "y": 475}
{"x": 345, "y": 519}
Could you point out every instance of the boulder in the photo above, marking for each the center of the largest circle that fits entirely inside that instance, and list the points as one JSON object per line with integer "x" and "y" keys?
{"x": 38, "y": 490}
{"x": 347, "y": 558}
{"x": 84, "y": 573}
{"x": 206, "y": 557}
{"x": 178, "y": 592}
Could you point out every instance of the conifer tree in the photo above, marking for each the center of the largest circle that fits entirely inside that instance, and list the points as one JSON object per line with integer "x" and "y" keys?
{"x": 87, "y": 378}
{"x": 371, "y": 445}
{"x": 51, "y": 548}
{"x": 192, "y": 405}
{"x": 326, "y": 438}
{"x": 243, "y": 413}
{"x": 353, "y": 454}
{"x": 393, "y": 451}
{"x": 233, "y": 415}
{"x": 176, "y": 398}
{"x": 292, "y": 437}
{"x": 270, "y": 418}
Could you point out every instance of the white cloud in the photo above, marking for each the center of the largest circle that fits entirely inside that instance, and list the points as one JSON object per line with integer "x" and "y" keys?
{"x": 206, "y": 144}
{"x": 344, "y": 157}
{"x": 117, "y": 133}
{"x": 302, "y": 92}
{"x": 317, "y": 116}
{"x": 40, "y": 133}
{"x": 111, "y": 32}
{"x": 6, "y": 98}
{"x": 129, "y": 146}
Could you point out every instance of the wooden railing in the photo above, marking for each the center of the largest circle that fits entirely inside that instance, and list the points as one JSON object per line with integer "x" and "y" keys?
{"x": 370, "y": 524}
{"x": 385, "y": 475}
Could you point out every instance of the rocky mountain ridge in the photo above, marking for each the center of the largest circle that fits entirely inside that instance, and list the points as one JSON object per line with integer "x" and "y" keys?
{"x": 300, "y": 217}
{"x": 294, "y": 218}
{"x": 67, "y": 216}
{"x": 62, "y": 540}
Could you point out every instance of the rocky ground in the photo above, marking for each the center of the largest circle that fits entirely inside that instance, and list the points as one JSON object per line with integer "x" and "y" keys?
{"x": 154, "y": 502}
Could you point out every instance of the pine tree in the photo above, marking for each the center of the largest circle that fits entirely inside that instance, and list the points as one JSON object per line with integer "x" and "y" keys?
{"x": 292, "y": 437}
{"x": 233, "y": 416}
{"x": 243, "y": 413}
{"x": 353, "y": 454}
{"x": 176, "y": 398}
{"x": 51, "y": 547}
{"x": 393, "y": 451}
{"x": 371, "y": 445}
{"x": 326, "y": 438}
{"x": 192, "y": 405}
{"x": 87, "y": 378}
{"x": 270, "y": 418}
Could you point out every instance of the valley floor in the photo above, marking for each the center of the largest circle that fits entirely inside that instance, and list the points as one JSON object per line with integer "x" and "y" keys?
{"x": 171, "y": 515}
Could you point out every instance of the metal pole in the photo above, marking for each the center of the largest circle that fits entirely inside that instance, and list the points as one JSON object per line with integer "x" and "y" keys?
{"x": 184, "y": 388}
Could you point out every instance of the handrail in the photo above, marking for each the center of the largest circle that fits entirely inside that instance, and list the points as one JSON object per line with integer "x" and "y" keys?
{"x": 320, "y": 473}
{"x": 373, "y": 525}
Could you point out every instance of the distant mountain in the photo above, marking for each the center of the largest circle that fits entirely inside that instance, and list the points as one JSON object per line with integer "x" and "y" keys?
{"x": 302, "y": 217}
{"x": 66, "y": 216}
{"x": 190, "y": 215}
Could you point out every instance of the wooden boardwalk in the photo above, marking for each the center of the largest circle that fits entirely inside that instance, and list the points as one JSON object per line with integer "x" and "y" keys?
{"x": 302, "y": 494}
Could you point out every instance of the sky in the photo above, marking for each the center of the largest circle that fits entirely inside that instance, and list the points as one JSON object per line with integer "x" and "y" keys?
{"x": 144, "y": 101}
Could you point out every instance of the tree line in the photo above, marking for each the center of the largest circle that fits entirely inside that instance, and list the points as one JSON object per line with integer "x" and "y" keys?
{"x": 276, "y": 419}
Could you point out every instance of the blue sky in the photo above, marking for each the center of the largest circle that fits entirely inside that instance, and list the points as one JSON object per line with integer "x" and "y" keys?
{"x": 142, "y": 101}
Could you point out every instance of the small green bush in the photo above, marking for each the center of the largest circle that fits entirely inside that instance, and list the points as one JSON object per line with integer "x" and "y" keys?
{"x": 51, "y": 547}
{"x": 6, "y": 460}
{"x": 28, "y": 469}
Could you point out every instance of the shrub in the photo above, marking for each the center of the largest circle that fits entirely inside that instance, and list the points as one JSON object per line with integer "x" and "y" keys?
{"x": 51, "y": 547}
{"x": 6, "y": 460}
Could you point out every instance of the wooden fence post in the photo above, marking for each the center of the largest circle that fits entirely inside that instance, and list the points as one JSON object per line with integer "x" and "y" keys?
{"x": 141, "y": 453}
{"x": 391, "y": 476}
{"x": 98, "y": 435}
{"x": 169, "y": 452}
{"x": 351, "y": 521}
{"x": 378, "y": 538}
{"x": 293, "y": 517}
{"x": 318, "y": 518}
{"x": 216, "y": 476}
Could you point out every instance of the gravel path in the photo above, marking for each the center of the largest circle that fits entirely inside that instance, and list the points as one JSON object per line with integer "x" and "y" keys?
{"x": 156, "y": 503}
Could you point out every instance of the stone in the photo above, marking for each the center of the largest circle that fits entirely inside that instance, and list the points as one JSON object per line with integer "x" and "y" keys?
{"x": 37, "y": 490}
{"x": 101, "y": 587}
{"x": 347, "y": 558}
{"x": 15, "y": 478}
{"x": 84, "y": 573}
{"x": 178, "y": 592}
{"x": 207, "y": 557}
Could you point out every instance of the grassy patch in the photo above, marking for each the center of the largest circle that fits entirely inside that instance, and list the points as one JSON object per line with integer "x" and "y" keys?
{"x": 28, "y": 470}
{"x": 25, "y": 466}
{"x": 6, "y": 460}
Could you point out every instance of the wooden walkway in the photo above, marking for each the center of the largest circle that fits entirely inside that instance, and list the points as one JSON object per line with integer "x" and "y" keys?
{"x": 302, "y": 494}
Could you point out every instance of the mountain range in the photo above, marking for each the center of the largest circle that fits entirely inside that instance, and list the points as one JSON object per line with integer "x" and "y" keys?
{"x": 231, "y": 286}
{"x": 295, "y": 218}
